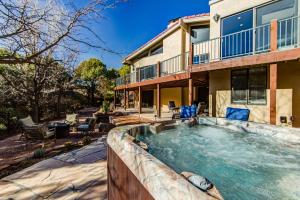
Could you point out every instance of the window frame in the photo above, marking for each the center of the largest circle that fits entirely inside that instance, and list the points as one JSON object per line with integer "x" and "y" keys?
{"x": 247, "y": 90}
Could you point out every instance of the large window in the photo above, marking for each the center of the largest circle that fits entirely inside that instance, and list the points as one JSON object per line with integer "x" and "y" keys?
{"x": 249, "y": 86}
{"x": 279, "y": 10}
{"x": 234, "y": 44}
{"x": 287, "y": 30}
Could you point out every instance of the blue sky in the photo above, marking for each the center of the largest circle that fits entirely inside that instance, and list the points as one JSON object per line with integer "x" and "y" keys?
{"x": 131, "y": 24}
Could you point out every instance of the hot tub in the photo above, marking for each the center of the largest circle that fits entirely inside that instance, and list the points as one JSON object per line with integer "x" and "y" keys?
{"x": 244, "y": 160}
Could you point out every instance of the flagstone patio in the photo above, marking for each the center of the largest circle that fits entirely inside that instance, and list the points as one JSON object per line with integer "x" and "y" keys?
{"x": 79, "y": 174}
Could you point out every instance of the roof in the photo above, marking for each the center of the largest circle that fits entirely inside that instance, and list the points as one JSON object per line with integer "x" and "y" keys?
{"x": 175, "y": 23}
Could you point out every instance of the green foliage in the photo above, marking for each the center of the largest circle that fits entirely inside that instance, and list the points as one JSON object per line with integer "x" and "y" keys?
{"x": 86, "y": 140}
{"x": 90, "y": 70}
{"x": 39, "y": 153}
{"x": 2, "y": 127}
{"x": 105, "y": 106}
{"x": 112, "y": 74}
{"x": 124, "y": 70}
{"x": 8, "y": 118}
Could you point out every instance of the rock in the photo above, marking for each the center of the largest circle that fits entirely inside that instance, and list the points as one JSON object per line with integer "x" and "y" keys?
{"x": 156, "y": 128}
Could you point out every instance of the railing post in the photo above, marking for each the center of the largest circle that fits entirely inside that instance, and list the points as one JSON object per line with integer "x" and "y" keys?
{"x": 158, "y": 69}
{"x": 273, "y": 35}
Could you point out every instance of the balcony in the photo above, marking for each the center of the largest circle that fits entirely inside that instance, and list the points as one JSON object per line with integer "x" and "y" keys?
{"x": 248, "y": 42}
{"x": 174, "y": 65}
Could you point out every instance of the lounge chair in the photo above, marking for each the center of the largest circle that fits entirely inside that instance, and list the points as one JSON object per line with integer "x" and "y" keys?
{"x": 71, "y": 119}
{"x": 172, "y": 107}
{"x": 35, "y": 131}
{"x": 88, "y": 126}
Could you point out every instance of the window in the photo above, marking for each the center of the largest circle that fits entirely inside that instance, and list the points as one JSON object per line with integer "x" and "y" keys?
{"x": 279, "y": 10}
{"x": 239, "y": 86}
{"x": 234, "y": 45}
{"x": 199, "y": 34}
{"x": 249, "y": 86}
{"x": 287, "y": 31}
{"x": 157, "y": 50}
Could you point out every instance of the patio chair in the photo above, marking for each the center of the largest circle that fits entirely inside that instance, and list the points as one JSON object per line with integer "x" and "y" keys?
{"x": 88, "y": 126}
{"x": 35, "y": 131}
{"x": 172, "y": 107}
{"x": 71, "y": 119}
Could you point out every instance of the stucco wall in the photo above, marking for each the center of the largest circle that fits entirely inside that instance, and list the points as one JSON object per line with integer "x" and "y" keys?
{"x": 220, "y": 98}
{"x": 287, "y": 95}
{"x": 225, "y": 8}
{"x": 288, "y": 102}
{"x": 172, "y": 46}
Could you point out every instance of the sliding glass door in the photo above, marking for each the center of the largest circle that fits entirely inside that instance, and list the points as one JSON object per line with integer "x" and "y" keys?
{"x": 237, "y": 35}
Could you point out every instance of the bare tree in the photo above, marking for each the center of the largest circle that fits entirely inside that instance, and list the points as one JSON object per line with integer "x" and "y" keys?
{"x": 49, "y": 24}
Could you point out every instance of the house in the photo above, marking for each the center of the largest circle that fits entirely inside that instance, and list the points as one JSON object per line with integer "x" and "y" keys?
{"x": 244, "y": 56}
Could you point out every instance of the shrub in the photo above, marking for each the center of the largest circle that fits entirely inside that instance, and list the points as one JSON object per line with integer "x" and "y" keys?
{"x": 86, "y": 140}
{"x": 105, "y": 107}
{"x": 39, "y": 153}
{"x": 2, "y": 127}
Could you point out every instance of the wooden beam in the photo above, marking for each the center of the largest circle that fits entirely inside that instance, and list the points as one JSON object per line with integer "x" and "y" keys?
{"x": 273, "y": 88}
{"x": 191, "y": 91}
{"x": 259, "y": 59}
{"x": 140, "y": 100}
{"x": 158, "y": 100}
{"x": 273, "y": 37}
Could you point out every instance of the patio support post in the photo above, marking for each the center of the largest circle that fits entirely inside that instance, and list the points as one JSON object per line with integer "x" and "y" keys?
{"x": 125, "y": 99}
{"x": 273, "y": 72}
{"x": 115, "y": 94}
{"x": 273, "y": 87}
{"x": 158, "y": 101}
{"x": 140, "y": 100}
{"x": 191, "y": 91}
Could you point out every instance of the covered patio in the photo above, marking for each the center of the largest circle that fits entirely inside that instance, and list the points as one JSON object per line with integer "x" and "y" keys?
{"x": 184, "y": 89}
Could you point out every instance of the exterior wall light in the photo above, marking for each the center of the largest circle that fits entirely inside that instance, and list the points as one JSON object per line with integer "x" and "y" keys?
{"x": 216, "y": 17}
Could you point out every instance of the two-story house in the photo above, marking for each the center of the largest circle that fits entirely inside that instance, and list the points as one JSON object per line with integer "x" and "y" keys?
{"x": 243, "y": 54}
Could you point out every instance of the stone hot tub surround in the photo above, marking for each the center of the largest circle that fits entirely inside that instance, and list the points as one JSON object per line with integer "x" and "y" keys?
{"x": 133, "y": 173}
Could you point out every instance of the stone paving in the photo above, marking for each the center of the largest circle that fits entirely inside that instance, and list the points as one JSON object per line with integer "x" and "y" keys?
{"x": 80, "y": 174}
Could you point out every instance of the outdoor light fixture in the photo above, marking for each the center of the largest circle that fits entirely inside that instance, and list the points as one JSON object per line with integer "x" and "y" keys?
{"x": 216, "y": 17}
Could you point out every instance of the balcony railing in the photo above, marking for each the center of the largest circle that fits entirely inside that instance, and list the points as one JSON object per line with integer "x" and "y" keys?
{"x": 289, "y": 33}
{"x": 174, "y": 65}
{"x": 247, "y": 42}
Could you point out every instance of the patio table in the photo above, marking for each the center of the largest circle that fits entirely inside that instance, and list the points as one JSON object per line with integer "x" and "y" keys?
{"x": 62, "y": 129}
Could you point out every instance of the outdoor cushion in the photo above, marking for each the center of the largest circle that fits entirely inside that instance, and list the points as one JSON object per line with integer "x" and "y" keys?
{"x": 185, "y": 112}
{"x": 193, "y": 109}
{"x": 188, "y": 111}
{"x": 237, "y": 114}
{"x": 83, "y": 127}
{"x": 27, "y": 121}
